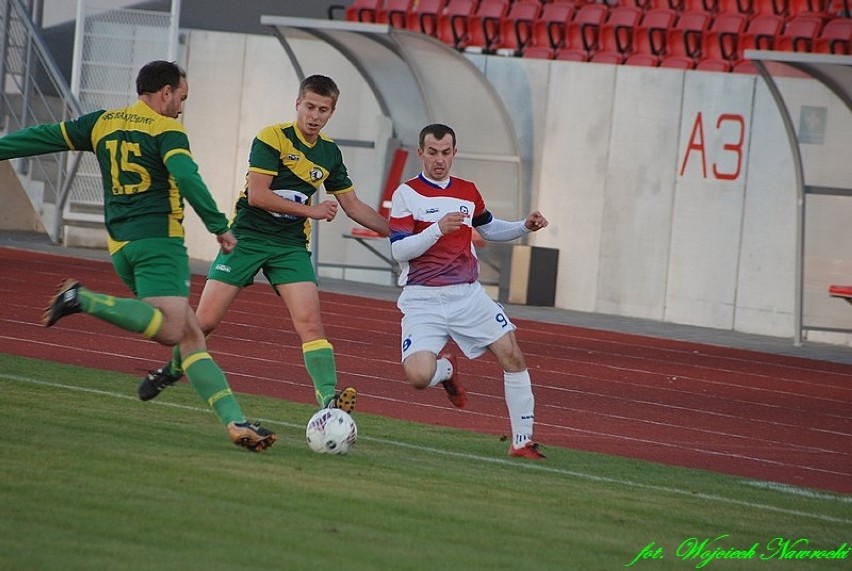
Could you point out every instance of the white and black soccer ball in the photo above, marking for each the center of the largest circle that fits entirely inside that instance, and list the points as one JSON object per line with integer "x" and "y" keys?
{"x": 331, "y": 431}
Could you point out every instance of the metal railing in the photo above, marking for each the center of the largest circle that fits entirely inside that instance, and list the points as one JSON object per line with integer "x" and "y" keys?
{"x": 33, "y": 91}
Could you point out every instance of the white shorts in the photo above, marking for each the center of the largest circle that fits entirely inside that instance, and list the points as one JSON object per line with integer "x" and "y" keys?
{"x": 463, "y": 312}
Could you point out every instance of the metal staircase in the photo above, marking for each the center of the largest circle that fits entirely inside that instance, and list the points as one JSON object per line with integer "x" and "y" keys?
{"x": 34, "y": 92}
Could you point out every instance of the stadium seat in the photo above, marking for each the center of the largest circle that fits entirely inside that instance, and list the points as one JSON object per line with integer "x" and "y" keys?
{"x": 614, "y": 58}
{"x": 835, "y": 37}
{"x": 583, "y": 31}
{"x": 643, "y": 60}
{"x": 395, "y": 13}
{"x": 713, "y": 64}
{"x": 647, "y": 5}
{"x": 774, "y": 7}
{"x": 361, "y": 10}
{"x": 454, "y": 23}
{"x": 424, "y": 15}
{"x": 677, "y": 62}
{"x": 744, "y": 66}
{"x": 616, "y": 34}
{"x": 799, "y": 34}
{"x": 539, "y": 52}
{"x": 650, "y": 38}
{"x": 484, "y": 25}
{"x": 516, "y": 29}
{"x": 722, "y": 40}
{"x": 549, "y": 29}
{"x": 685, "y": 38}
{"x": 571, "y": 54}
{"x": 814, "y": 8}
{"x": 762, "y": 32}
{"x": 693, "y": 5}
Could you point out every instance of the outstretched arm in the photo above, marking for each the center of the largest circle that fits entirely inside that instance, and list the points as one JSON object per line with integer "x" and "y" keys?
{"x": 361, "y": 213}
{"x": 498, "y": 230}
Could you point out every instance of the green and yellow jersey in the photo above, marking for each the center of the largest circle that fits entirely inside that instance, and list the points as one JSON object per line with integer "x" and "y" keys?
{"x": 146, "y": 165}
{"x": 298, "y": 169}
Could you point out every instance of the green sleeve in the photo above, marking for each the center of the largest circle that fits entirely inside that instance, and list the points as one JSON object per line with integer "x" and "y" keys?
{"x": 185, "y": 172}
{"x": 36, "y": 140}
{"x": 74, "y": 135}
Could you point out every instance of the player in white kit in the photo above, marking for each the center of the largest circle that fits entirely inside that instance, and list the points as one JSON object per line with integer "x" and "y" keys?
{"x": 431, "y": 233}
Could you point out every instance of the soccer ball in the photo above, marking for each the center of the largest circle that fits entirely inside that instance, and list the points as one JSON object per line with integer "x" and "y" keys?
{"x": 331, "y": 431}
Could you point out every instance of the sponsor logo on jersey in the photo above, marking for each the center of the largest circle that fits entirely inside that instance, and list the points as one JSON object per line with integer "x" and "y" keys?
{"x": 223, "y": 268}
{"x": 293, "y": 157}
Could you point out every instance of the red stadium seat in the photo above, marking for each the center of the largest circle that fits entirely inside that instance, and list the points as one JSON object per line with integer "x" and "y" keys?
{"x": 484, "y": 26}
{"x": 454, "y": 23}
{"x": 571, "y": 54}
{"x": 835, "y": 37}
{"x": 516, "y": 29}
{"x": 713, "y": 64}
{"x": 424, "y": 15}
{"x": 651, "y": 37}
{"x": 642, "y": 59}
{"x": 549, "y": 28}
{"x": 539, "y": 52}
{"x": 583, "y": 31}
{"x": 685, "y": 38}
{"x": 800, "y": 34}
{"x": 722, "y": 40}
{"x": 614, "y": 58}
{"x": 762, "y": 32}
{"x": 814, "y": 8}
{"x": 647, "y": 5}
{"x": 616, "y": 35}
{"x": 744, "y": 66}
{"x": 395, "y": 13}
{"x": 363, "y": 10}
{"x": 677, "y": 62}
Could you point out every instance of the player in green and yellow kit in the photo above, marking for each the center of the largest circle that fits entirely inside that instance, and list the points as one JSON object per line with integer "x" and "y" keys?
{"x": 148, "y": 171}
{"x": 288, "y": 163}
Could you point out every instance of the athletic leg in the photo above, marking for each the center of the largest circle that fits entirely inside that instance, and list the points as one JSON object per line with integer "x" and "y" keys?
{"x": 302, "y": 301}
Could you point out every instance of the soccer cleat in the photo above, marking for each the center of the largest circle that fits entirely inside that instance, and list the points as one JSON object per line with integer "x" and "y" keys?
{"x": 344, "y": 400}
{"x": 250, "y": 435}
{"x": 156, "y": 381}
{"x": 64, "y": 302}
{"x": 530, "y": 450}
{"x": 455, "y": 392}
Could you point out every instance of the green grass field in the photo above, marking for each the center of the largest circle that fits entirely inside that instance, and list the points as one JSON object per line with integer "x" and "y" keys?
{"x": 91, "y": 478}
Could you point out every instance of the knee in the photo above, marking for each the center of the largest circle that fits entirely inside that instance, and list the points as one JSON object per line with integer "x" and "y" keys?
{"x": 417, "y": 377}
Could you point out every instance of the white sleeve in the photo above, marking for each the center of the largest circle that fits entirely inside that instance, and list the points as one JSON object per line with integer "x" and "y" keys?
{"x": 415, "y": 245}
{"x": 502, "y": 230}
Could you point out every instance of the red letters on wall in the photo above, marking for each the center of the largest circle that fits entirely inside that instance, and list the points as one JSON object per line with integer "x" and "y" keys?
{"x": 697, "y": 145}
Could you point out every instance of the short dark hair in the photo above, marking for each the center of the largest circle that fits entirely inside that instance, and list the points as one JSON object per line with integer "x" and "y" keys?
{"x": 437, "y": 130}
{"x": 321, "y": 85}
{"x": 156, "y": 75}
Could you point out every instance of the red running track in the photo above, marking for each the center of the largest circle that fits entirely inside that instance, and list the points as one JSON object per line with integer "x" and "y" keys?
{"x": 761, "y": 416}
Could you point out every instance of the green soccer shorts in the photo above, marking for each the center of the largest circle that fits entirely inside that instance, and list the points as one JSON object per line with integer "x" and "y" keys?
{"x": 281, "y": 264}
{"x": 154, "y": 267}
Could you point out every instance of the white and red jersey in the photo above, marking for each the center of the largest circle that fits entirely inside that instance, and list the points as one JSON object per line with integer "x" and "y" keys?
{"x": 419, "y": 203}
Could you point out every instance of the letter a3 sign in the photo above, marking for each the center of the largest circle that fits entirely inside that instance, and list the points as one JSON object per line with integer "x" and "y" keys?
{"x": 726, "y": 156}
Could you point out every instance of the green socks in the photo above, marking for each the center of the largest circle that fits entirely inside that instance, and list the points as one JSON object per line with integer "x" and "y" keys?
{"x": 319, "y": 361}
{"x": 210, "y": 383}
{"x": 129, "y": 314}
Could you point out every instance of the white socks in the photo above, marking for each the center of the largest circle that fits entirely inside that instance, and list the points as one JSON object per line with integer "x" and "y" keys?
{"x": 443, "y": 371}
{"x": 521, "y": 404}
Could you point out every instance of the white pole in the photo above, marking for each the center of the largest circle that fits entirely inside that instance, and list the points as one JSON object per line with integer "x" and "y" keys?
{"x": 174, "y": 25}
{"x": 77, "y": 60}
